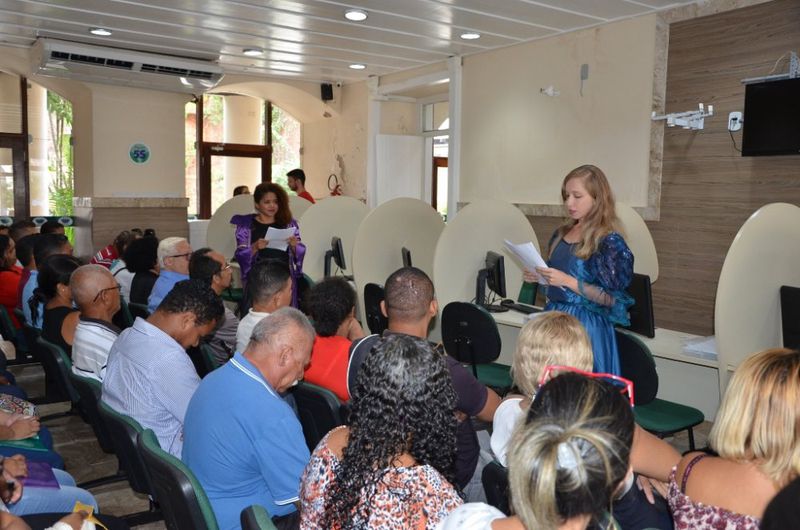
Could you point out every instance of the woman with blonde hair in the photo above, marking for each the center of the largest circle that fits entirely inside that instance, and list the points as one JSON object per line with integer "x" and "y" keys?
{"x": 590, "y": 266}
{"x": 756, "y": 437}
{"x": 550, "y": 338}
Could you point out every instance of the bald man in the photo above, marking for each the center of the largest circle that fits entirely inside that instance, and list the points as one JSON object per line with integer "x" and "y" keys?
{"x": 96, "y": 293}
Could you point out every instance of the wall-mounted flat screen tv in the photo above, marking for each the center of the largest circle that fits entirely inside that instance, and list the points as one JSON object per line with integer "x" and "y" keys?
{"x": 772, "y": 118}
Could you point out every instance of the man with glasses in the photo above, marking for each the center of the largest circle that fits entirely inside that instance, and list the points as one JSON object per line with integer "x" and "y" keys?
{"x": 211, "y": 268}
{"x": 96, "y": 294}
{"x": 173, "y": 259}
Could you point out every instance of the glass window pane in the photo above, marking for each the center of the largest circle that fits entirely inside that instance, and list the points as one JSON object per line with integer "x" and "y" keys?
{"x": 6, "y": 182}
{"x": 286, "y": 140}
{"x": 10, "y": 104}
{"x": 214, "y": 118}
{"x": 436, "y": 116}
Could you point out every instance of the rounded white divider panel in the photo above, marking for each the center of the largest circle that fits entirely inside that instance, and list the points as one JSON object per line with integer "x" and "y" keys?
{"x": 334, "y": 216}
{"x": 298, "y": 206}
{"x": 764, "y": 255}
{"x": 479, "y": 227}
{"x": 639, "y": 240}
{"x": 398, "y": 223}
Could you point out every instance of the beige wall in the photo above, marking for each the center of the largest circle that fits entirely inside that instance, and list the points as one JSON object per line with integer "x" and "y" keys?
{"x": 517, "y": 144}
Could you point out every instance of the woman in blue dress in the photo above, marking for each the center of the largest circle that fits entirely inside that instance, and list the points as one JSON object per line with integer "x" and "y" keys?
{"x": 590, "y": 266}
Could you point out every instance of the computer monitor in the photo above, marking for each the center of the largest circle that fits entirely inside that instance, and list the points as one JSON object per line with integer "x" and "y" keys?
{"x": 493, "y": 277}
{"x": 790, "y": 316}
{"x": 641, "y": 312}
{"x": 406, "y": 254}
{"x": 336, "y": 253}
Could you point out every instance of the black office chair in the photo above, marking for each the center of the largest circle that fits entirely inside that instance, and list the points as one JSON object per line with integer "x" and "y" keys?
{"x": 470, "y": 335}
{"x": 373, "y": 296}
{"x": 124, "y": 431}
{"x": 185, "y": 504}
{"x": 319, "y": 411}
{"x": 495, "y": 485}
{"x": 662, "y": 418}
{"x": 256, "y": 517}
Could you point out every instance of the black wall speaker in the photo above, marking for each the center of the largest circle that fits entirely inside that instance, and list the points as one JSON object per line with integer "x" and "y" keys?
{"x": 326, "y": 91}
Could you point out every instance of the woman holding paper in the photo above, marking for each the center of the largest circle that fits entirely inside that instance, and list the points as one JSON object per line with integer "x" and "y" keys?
{"x": 252, "y": 245}
{"x": 590, "y": 266}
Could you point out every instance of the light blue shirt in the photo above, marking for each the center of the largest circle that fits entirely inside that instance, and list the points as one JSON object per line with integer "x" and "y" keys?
{"x": 244, "y": 443}
{"x": 150, "y": 378}
{"x": 164, "y": 284}
{"x": 27, "y": 292}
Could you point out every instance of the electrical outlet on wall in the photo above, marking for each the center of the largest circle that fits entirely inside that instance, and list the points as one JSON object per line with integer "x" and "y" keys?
{"x": 735, "y": 121}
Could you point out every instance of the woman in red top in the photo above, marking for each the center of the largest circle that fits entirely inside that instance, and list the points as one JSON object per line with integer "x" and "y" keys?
{"x": 332, "y": 304}
{"x": 10, "y": 274}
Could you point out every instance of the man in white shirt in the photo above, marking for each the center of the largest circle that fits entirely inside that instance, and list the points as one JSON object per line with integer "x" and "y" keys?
{"x": 270, "y": 287}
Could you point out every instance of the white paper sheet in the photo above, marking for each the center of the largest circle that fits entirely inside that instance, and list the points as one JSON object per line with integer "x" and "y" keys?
{"x": 529, "y": 256}
{"x": 278, "y": 237}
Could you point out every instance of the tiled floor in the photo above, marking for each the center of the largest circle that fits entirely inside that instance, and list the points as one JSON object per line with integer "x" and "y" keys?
{"x": 76, "y": 443}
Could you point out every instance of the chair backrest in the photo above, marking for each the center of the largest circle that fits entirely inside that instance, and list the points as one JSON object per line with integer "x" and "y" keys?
{"x": 123, "y": 431}
{"x": 123, "y": 318}
{"x": 256, "y": 517}
{"x": 6, "y": 325}
{"x": 30, "y": 333}
{"x": 469, "y": 333}
{"x": 318, "y": 410}
{"x": 208, "y": 359}
{"x": 495, "y": 485}
{"x": 138, "y": 310}
{"x": 90, "y": 391}
{"x": 57, "y": 366}
{"x": 637, "y": 364}
{"x": 183, "y": 500}
{"x": 373, "y": 296}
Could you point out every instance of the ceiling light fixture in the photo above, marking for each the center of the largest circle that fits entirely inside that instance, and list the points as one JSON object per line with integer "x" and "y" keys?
{"x": 356, "y": 15}
{"x": 358, "y": 66}
{"x": 253, "y": 52}
{"x": 470, "y": 35}
{"x": 100, "y": 32}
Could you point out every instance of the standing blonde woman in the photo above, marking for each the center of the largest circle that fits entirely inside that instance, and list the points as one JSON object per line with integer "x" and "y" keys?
{"x": 590, "y": 266}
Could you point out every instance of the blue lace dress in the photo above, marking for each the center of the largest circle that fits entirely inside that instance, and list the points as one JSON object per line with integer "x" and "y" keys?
{"x": 603, "y": 302}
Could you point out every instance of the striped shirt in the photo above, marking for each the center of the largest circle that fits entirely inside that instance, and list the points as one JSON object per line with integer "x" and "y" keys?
{"x": 151, "y": 379}
{"x": 90, "y": 346}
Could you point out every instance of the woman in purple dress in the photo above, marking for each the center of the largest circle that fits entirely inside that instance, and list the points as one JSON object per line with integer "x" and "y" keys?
{"x": 272, "y": 211}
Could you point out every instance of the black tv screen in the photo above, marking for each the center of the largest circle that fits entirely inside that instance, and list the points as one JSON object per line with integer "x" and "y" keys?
{"x": 772, "y": 118}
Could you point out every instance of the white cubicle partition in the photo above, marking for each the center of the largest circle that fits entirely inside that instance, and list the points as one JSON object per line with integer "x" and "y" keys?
{"x": 395, "y": 224}
{"x": 220, "y": 234}
{"x": 334, "y": 216}
{"x": 764, "y": 255}
{"x": 639, "y": 240}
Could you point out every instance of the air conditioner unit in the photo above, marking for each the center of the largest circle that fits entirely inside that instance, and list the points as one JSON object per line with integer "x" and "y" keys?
{"x": 98, "y": 64}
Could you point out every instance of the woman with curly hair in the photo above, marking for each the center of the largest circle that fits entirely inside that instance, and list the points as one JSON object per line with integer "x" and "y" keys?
{"x": 392, "y": 467}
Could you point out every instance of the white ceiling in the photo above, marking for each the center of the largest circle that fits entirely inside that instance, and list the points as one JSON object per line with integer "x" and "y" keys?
{"x": 310, "y": 39}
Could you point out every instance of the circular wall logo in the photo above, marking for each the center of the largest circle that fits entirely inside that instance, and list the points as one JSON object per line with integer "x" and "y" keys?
{"x": 139, "y": 153}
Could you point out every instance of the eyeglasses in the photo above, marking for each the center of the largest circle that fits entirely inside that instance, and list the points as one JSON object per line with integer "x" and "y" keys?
{"x": 625, "y": 386}
{"x": 101, "y": 291}
{"x": 185, "y": 255}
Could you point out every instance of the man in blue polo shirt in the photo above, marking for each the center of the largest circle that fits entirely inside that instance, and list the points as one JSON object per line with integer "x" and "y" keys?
{"x": 241, "y": 439}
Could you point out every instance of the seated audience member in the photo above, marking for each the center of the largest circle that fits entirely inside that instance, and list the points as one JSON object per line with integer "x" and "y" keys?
{"x": 270, "y": 286}
{"x": 212, "y": 269}
{"x": 52, "y": 227}
{"x": 22, "y": 229}
{"x": 253, "y": 452}
{"x": 567, "y": 460}
{"x": 113, "y": 251}
{"x": 24, "y": 250}
{"x": 331, "y": 304}
{"x": 173, "y": 262}
{"x": 10, "y": 276}
{"x": 755, "y": 435}
{"x": 141, "y": 267}
{"x": 46, "y": 245}
{"x": 60, "y": 316}
{"x": 783, "y": 511}
{"x": 22, "y": 425}
{"x": 149, "y": 376}
{"x": 97, "y": 296}
{"x": 552, "y": 338}
{"x": 241, "y": 190}
{"x": 395, "y": 459}
{"x": 410, "y": 305}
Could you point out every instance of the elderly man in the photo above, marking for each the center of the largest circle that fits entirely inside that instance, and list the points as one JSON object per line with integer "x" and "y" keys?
{"x": 96, "y": 294}
{"x": 211, "y": 268}
{"x": 270, "y": 287}
{"x": 243, "y": 441}
{"x": 173, "y": 259}
{"x": 149, "y": 376}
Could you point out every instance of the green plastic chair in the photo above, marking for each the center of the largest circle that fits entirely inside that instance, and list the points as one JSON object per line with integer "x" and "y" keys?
{"x": 256, "y": 517}
{"x": 126, "y": 317}
{"x": 233, "y": 295}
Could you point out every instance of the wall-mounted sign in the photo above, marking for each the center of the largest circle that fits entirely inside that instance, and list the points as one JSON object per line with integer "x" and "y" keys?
{"x": 139, "y": 153}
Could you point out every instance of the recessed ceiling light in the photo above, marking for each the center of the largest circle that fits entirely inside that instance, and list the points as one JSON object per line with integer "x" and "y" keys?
{"x": 470, "y": 35}
{"x": 100, "y": 32}
{"x": 358, "y": 66}
{"x": 253, "y": 52}
{"x": 356, "y": 15}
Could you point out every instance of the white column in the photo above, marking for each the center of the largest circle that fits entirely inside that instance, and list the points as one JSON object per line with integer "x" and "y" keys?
{"x": 39, "y": 130}
{"x": 242, "y": 125}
